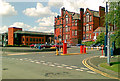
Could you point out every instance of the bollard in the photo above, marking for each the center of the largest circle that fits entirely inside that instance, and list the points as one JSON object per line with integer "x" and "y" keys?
{"x": 64, "y": 48}
{"x": 81, "y": 49}
{"x": 102, "y": 50}
{"x": 57, "y": 52}
{"x": 91, "y": 48}
{"x": 84, "y": 49}
{"x": 61, "y": 50}
{"x": 97, "y": 48}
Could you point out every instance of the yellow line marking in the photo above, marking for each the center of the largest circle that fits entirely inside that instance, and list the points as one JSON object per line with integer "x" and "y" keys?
{"x": 95, "y": 70}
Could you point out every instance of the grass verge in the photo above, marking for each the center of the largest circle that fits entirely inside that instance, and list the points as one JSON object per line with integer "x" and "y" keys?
{"x": 114, "y": 66}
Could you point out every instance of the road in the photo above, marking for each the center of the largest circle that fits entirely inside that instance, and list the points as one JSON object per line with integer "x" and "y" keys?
{"x": 46, "y": 65}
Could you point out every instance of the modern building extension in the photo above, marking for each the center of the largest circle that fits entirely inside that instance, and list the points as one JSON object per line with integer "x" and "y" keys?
{"x": 16, "y": 36}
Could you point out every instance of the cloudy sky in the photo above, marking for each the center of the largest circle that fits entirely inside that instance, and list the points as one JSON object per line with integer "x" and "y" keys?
{"x": 39, "y": 16}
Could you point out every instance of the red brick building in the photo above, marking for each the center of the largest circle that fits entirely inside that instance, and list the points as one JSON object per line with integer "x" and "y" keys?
{"x": 69, "y": 26}
{"x": 18, "y": 37}
{"x": 92, "y": 20}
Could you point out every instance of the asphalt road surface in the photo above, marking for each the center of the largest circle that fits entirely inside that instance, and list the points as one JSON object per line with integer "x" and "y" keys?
{"x": 46, "y": 65}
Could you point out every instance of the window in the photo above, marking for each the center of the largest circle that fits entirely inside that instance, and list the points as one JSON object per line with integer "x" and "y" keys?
{"x": 72, "y": 33}
{"x": 66, "y": 36}
{"x": 87, "y": 17}
{"x": 84, "y": 37}
{"x": 90, "y": 36}
{"x": 75, "y": 32}
{"x": 66, "y": 19}
{"x": 23, "y": 39}
{"x": 87, "y": 27}
{"x": 90, "y": 28}
{"x": 87, "y": 36}
{"x": 90, "y": 18}
{"x": 30, "y": 39}
{"x": 75, "y": 22}
{"x": 42, "y": 40}
{"x": 34, "y": 39}
{"x": 27, "y": 39}
{"x": 67, "y": 29}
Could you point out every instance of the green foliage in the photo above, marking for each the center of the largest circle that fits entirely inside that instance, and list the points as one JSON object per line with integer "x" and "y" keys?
{"x": 100, "y": 38}
{"x": 88, "y": 43}
{"x": 113, "y": 18}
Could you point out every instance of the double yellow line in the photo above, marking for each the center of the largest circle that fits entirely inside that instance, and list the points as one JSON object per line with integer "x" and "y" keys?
{"x": 97, "y": 71}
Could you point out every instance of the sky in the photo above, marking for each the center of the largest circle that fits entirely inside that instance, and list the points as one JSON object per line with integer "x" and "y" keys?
{"x": 39, "y": 15}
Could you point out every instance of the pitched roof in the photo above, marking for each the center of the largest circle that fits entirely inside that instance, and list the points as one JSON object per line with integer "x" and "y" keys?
{"x": 95, "y": 13}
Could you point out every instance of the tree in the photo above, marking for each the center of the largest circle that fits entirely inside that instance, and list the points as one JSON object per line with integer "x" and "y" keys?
{"x": 113, "y": 17}
{"x": 100, "y": 38}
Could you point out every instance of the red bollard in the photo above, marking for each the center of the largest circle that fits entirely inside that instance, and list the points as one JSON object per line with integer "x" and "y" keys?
{"x": 81, "y": 49}
{"x": 84, "y": 49}
{"x": 64, "y": 48}
{"x": 102, "y": 50}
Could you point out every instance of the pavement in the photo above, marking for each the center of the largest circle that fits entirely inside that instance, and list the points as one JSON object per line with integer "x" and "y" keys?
{"x": 93, "y": 63}
{"x": 46, "y": 65}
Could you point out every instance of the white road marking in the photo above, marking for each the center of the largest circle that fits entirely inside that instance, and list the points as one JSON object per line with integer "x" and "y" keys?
{"x": 51, "y": 65}
{"x": 74, "y": 66}
{"x": 60, "y": 66}
{"x": 45, "y": 63}
{"x": 84, "y": 68}
{"x": 37, "y": 62}
{"x": 56, "y": 64}
{"x": 21, "y": 59}
{"x": 64, "y": 65}
{"x": 31, "y": 61}
{"x": 68, "y": 68}
{"x": 91, "y": 72}
{"x": 78, "y": 69}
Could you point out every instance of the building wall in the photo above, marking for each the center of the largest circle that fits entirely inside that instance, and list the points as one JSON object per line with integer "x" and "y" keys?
{"x": 94, "y": 22}
{"x": 70, "y": 31}
{"x": 28, "y": 40}
{"x": 11, "y": 35}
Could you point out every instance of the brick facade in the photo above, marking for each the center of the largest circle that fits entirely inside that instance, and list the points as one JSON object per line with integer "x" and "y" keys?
{"x": 69, "y": 26}
{"x": 92, "y": 20}
{"x": 11, "y": 34}
{"x": 27, "y": 38}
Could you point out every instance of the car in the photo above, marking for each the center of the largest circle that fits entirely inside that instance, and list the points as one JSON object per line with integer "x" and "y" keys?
{"x": 37, "y": 45}
{"x": 95, "y": 45}
{"x": 60, "y": 45}
{"x": 32, "y": 45}
{"x": 79, "y": 44}
{"x": 46, "y": 46}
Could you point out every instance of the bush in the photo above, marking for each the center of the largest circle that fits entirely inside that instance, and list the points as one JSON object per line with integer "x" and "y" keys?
{"x": 88, "y": 43}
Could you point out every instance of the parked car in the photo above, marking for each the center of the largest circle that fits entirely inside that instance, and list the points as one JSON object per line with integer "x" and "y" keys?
{"x": 32, "y": 45}
{"x": 79, "y": 44}
{"x": 60, "y": 45}
{"x": 46, "y": 46}
{"x": 37, "y": 45}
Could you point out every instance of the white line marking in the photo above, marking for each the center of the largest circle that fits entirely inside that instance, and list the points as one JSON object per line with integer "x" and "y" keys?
{"x": 64, "y": 65}
{"x": 60, "y": 66}
{"x": 78, "y": 69}
{"x": 56, "y": 64}
{"x": 51, "y": 65}
{"x": 68, "y": 68}
{"x": 74, "y": 66}
{"x": 37, "y": 62}
{"x": 31, "y": 61}
{"x": 84, "y": 68}
{"x": 91, "y": 72}
{"x": 45, "y": 63}
{"x": 21, "y": 59}
{"x": 42, "y": 61}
